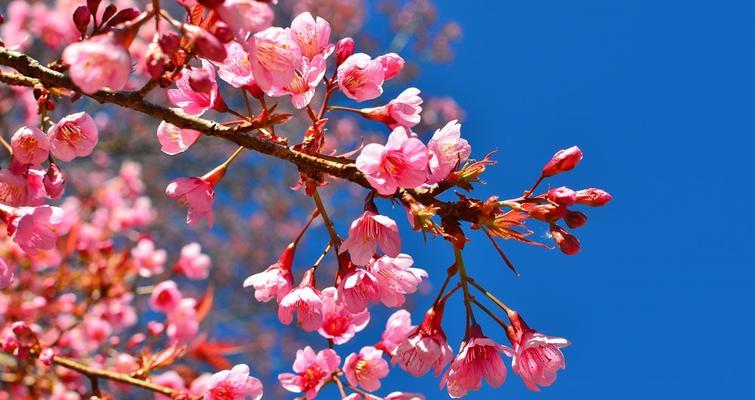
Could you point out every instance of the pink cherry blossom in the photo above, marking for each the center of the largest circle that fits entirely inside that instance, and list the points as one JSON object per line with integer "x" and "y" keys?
{"x": 73, "y": 136}
{"x": 302, "y": 87}
{"x": 199, "y": 384}
{"x": 98, "y": 63}
{"x": 30, "y": 145}
{"x": 234, "y": 384}
{"x": 276, "y": 281}
{"x": 312, "y": 35}
{"x": 404, "y": 110}
{"x": 23, "y": 187}
{"x": 392, "y": 65}
{"x": 338, "y": 323}
{"x": 148, "y": 259}
{"x": 404, "y": 396}
{"x": 536, "y": 358}
{"x": 361, "y": 78}
{"x": 236, "y": 69}
{"x": 182, "y": 321}
{"x": 478, "y": 358}
{"x": 36, "y": 228}
{"x": 6, "y": 274}
{"x": 193, "y": 263}
{"x": 196, "y": 100}
{"x": 169, "y": 379}
{"x": 246, "y": 15}
{"x": 426, "y": 347}
{"x": 174, "y": 140}
{"x": 401, "y": 163}
{"x": 165, "y": 297}
{"x": 396, "y": 278}
{"x": 367, "y": 233}
{"x": 275, "y": 57}
{"x": 305, "y": 300}
{"x": 357, "y": 289}
{"x": 447, "y": 150}
{"x": 196, "y": 193}
{"x": 366, "y": 369}
{"x": 397, "y": 330}
{"x": 311, "y": 371}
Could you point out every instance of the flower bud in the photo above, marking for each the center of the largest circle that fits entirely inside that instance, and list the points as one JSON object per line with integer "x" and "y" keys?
{"x": 545, "y": 212}
{"x": 593, "y": 197}
{"x": 93, "y": 5}
{"x": 169, "y": 42}
{"x": 109, "y": 12}
{"x": 344, "y": 49}
{"x": 392, "y": 65}
{"x": 575, "y": 219}
{"x": 223, "y": 32}
{"x": 81, "y": 17}
{"x": 568, "y": 243}
{"x": 46, "y": 356}
{"x": 54, "y": 181}
{"x": 125, "y": 15}
{"x": 564, "y": 160}
{"x": 562, "y": 196}
{"x": 207, "y": 45}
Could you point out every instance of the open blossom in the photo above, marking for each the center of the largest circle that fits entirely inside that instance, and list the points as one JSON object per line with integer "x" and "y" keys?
{"x": 149, "y": 260}
{"x": 367, "y": 233}
{"x": 245, "y": 15}
{"x": 302, "y": 87}
{"x": 396, "y": 278}
{"x": 22, "y": 187}
{"x": 478, "y": 358}
{"x": 338, "y": 323}
{"x": 195, "y": 99}
{"x": 357, "y": 289}
{"x": 73, "y": 136}
{"x": 165, "y": 297}
{"x": 305, "y": 300}
{"x": 401, "y": 163}
{"x": 35, "y": 228}
{"x": 98, "y": 63}
{"x": 30, "y": 145}
{"x": 6, "y": 274}
{"x": 174, "y": 140}
{"x": 366, "y": 369}
{"x": 537, "y": 358}
{"x": 392, "y": 65}
{"x": 447, "y": 150}
{"x": 275, "y": 57}
{"x": 397, "y": 330}
{"x": 312, "y": 370}
{"x": 426, "y": 347}
{"x": 234, "y": 384}
{"x": 169, "y": 379}
{"x": 236, "y": 69}
{"x": 361, "y": 78}
{"x": 195, "y": 193}
{"x": 276, "y": 280}
{"x": 312, "y": 35}
{"x": 193, "y": 263}
{"x": 182, "y": 321}
{"x": 404, "y": 110}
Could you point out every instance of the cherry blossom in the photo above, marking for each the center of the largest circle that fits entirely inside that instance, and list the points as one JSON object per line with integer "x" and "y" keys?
{"x": 404, "y": 110}
{"x": 193, "y": 263}
{"x": 73, "y": 136}
{"x": 275, "y": 57}
{"x": 536, "y": 357}
{"x": 396, "y": 278}
{"x": 366, "y": 368}
{"x": 447, "y": 150}
{"x": 400, "y": 163}
{"x": 175, "y": 140}
{"x": 311, "y": 371}
{"x": 312, "y": 35}
{"x": 246, "y": 15}
{"x": 195, "y": 193}
{"x": 98, "y": 63}
{"x": 233, "y": 384}
{"x": 360, "y": 77}
{"x": 276, "y": 281}
{"x": 397, "y": 330}
{"x": 165, "y": 297}
{"x": 305, "y": 301}
{"x": 30, "y": 145}
{"x": 367, "y": 233}
{"x": 195, "y": 97}
{"x": 426, "y": 348}
{"x": 339, "y": 324}
{"x": 236, "y": 69}
{"x": 148, "y": 259}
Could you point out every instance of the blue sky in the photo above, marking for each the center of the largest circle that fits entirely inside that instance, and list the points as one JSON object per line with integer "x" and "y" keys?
{"x": 659, "y": 95}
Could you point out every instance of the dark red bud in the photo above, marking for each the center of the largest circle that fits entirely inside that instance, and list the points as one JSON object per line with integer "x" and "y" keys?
{"x": 568, "y": 243}
{"x": 562, "y": 196}
{"x": 2, "y": 19}
{"x": 593, "y": 197}
{"x": 81, "y": 18}
{"x": 54, "y": 181}
{"x": 169, "y": 42}
{"x": 209, "y": 47}
{"x": 200, "y": 80}
{"x": 109, "y": 12}
{"x": 223, "y": 32}
{"x": 564, "y": 160}
{"x": 93, "y": 6}
{"x": 575, "y": 219}
{"x": 125, "y": 15}
{"x": 344, "y": 49}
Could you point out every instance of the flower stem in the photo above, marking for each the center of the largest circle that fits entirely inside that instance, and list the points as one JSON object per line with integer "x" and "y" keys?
{"x": 334, "y": 239}
{"x": 468, "y": 298}
{"x": 489, "y": 295}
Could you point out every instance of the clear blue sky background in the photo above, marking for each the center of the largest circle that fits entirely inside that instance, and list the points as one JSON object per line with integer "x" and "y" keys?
{"x": 660, "y": 97}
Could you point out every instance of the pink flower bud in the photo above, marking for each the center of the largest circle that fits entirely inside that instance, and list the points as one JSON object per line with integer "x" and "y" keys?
{"x": 207, "y": 45}
{"x": 344, "y": 48}
{"x": 564, "y": 160}
{"x": 81, "y": 17}
{"x": 545, "y": 212}
{"x": 169, "y": 42}
{"x": 575, "y": 219}
{"x": 593, "y": 197}
{"x": 562, "y": 196}
{"x": 46, "y": 356}
{"x": 54, "y": 181}
{"x": 392, "y": 65}
{"x": 568, "y": 243}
